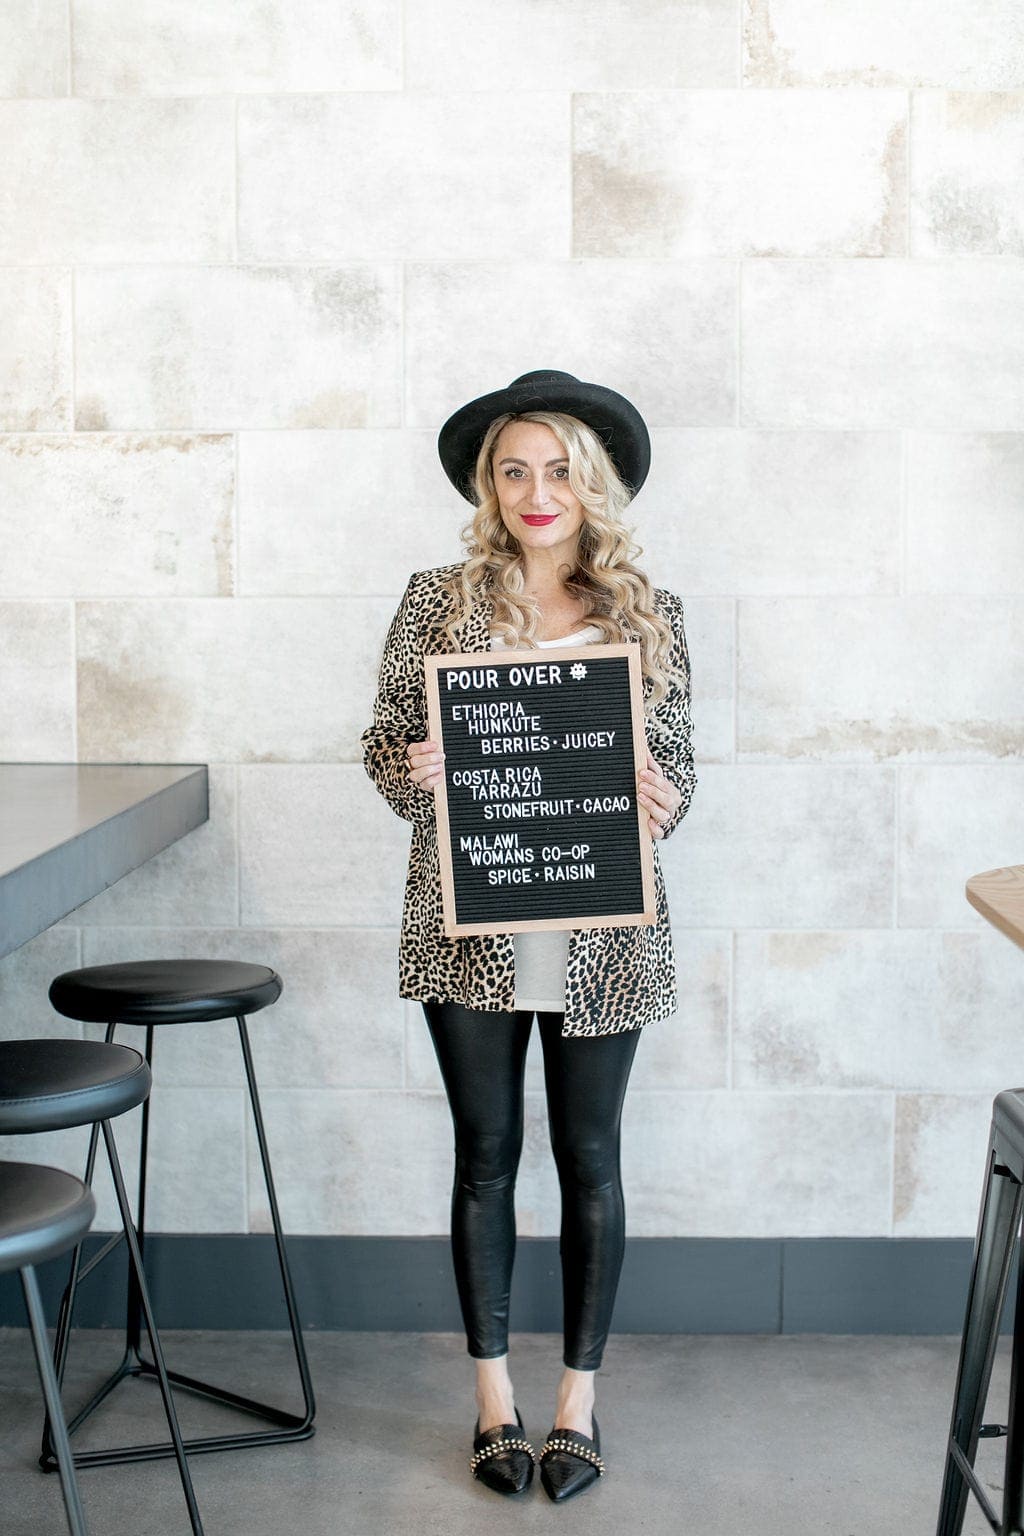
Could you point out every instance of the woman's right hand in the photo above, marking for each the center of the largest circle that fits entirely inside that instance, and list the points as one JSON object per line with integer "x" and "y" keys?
{"x": 425, "y": 763}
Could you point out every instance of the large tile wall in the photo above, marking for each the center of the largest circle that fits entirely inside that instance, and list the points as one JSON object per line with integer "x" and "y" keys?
{"x": 251, "y": 256}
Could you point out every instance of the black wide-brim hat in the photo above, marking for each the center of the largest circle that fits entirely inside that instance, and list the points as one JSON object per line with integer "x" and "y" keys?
{"x": 618, "y": 423}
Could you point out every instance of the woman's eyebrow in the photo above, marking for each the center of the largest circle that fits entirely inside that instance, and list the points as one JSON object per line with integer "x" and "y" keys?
{"x": 526, "y": 466}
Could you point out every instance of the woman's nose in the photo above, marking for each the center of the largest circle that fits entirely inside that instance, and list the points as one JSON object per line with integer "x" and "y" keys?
{"x": 539, "y": 495}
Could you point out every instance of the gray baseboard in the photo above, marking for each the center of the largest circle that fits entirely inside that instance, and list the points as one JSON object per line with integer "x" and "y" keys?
{"x": 668, "y": 1285}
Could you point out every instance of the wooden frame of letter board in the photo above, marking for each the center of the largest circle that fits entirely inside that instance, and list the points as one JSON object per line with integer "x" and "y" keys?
{"x": 569, "y": 654}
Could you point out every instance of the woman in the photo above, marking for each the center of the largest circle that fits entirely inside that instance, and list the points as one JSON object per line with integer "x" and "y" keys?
{"x": 550, "y": 464}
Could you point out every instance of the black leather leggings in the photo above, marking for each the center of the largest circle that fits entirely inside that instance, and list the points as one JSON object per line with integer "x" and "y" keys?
{"x": 482, "y": 1057}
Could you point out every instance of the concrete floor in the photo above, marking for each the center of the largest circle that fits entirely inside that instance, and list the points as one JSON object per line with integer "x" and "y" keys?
{"x": 710, "y": 1435}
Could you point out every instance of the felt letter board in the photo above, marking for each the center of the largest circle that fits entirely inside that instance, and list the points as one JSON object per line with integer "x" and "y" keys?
{"x": 538, "y": 822}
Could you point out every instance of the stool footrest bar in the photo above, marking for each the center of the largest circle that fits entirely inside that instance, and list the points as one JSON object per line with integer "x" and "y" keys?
{"x": 122, "y": 1454}
{"x": 293, "y": 1426}
{"x": 97, "y": 1258}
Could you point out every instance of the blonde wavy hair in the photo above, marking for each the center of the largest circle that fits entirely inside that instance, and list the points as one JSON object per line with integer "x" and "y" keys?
{"x": 612, "y": 588}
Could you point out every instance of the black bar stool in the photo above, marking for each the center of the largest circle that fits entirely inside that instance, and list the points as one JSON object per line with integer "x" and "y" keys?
{"x": 159, "y": 992}
{"x": 48, "y": 1085}
{"x": 44, "y": 1212}
{"x": 998, "y": 1238}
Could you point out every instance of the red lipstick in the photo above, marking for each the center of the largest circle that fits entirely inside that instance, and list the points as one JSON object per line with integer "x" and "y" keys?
{"x": 538, "y": 520}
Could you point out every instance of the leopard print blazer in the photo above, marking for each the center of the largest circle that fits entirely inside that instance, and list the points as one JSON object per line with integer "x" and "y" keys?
{"x": 616, "y": 978}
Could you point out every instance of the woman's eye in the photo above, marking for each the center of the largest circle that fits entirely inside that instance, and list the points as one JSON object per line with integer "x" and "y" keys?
{"x": 562, "y": 472}
{"x": 513, "y": 472}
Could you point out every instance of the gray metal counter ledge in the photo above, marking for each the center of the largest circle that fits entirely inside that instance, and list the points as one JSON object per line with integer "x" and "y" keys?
{"x": 68, "y": 830}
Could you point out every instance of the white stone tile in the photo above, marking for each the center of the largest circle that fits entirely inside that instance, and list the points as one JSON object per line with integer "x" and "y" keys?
{"x": 37, "y": 682}
{"x": 421, "y": 1068}
{"x": 206, "y": 1055}
{"x": 319, "y": 845}
{"x": 795, "y": 845}
{"x": 820, "y": 1009}
{"x": 239, "y": 680}
{"x": 964, "y": 495}
{"x": 967, "y": 156}
{"x": 549, "y": 45}
{"x": 191, "y": 883}
{"x": 366, "y": 1162}
{"x": 941, "y": 1161}
{"x": 118, "y": 180}
{"x": 726, "y": 511}
{"x": 691, "y": 1049}
{"x": 740, "y": 173}
{"x": 67, "y": 1150}
{"x": 972, "y": 1040}
{"x": 339, "y": 1022}
{"x": 196, "y": 1178}
{"x": 472, "y": 327}
{"x": 895, "y": 343}
{"x": 876, "y": 678}
{"x": 343, "y": 512}
{"x": 34, "y": 48}
{"x": 441, "y": 163}
{"x": 757, "y": 1164}
{"x": 104, "y": 502}
{"x": 972, "y": 43}
{"x": 196, "y": 1173}
{"x": 35, "y": 361}
{"x": 710, "y": 627}
{"x": 904, "y": 1008}
{"x": 214, "y": 348}
{"x": 184, "y": 47}
{"x": 954, "y": 821}
{"x": 25, "y": 976}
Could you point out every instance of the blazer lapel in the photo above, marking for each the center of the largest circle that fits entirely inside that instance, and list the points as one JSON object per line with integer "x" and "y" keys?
{"x": 476, "y": 631}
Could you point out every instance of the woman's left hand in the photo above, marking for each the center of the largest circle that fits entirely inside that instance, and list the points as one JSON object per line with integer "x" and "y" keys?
{"x": 658, "y": 795}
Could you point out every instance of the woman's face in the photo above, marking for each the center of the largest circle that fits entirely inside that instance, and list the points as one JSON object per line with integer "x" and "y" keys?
{"x": 531, "y": 479}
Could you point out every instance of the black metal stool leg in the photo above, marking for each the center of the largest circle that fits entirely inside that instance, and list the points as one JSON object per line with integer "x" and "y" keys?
{"x": 134, "y": 1317}
{"x": 154, "y": 1342}
{"x": 1013, "y": 1482}
{"x": 175, "y": 1447}
{"x": 129, "y": 1362}
{"x": 51, "y": 1396}
{"x": 289, "y": 1426}
{"x": 304, "y": 1426}
{"x": 293, "y": 1426}
{"x": 998, "y": 1227}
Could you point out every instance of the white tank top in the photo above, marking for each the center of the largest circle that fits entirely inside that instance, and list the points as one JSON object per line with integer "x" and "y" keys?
{"x": 541, "y": 956}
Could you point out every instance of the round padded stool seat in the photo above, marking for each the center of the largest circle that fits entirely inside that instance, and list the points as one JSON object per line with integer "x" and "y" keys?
{"x": 43, "y": 1212}
{"x": 164, "y": 991}
{"x": 46, "y": 1085}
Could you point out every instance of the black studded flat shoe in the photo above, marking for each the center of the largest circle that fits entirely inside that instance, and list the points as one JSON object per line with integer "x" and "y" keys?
{"x": 502, "y": 1457}
{"x": 570, "y": 1462}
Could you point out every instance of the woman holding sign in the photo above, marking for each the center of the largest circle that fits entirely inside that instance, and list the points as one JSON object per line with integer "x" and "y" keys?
{"x": 550, "y": 465}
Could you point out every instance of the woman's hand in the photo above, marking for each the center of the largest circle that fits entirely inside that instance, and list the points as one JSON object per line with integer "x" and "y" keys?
{"x": 425, "y": 760}
{"x": 658, "y": 795}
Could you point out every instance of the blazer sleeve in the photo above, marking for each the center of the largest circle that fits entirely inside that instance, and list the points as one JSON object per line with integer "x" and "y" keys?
{"x": 670, "y": 727}
{"x": 399, "y": 717}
